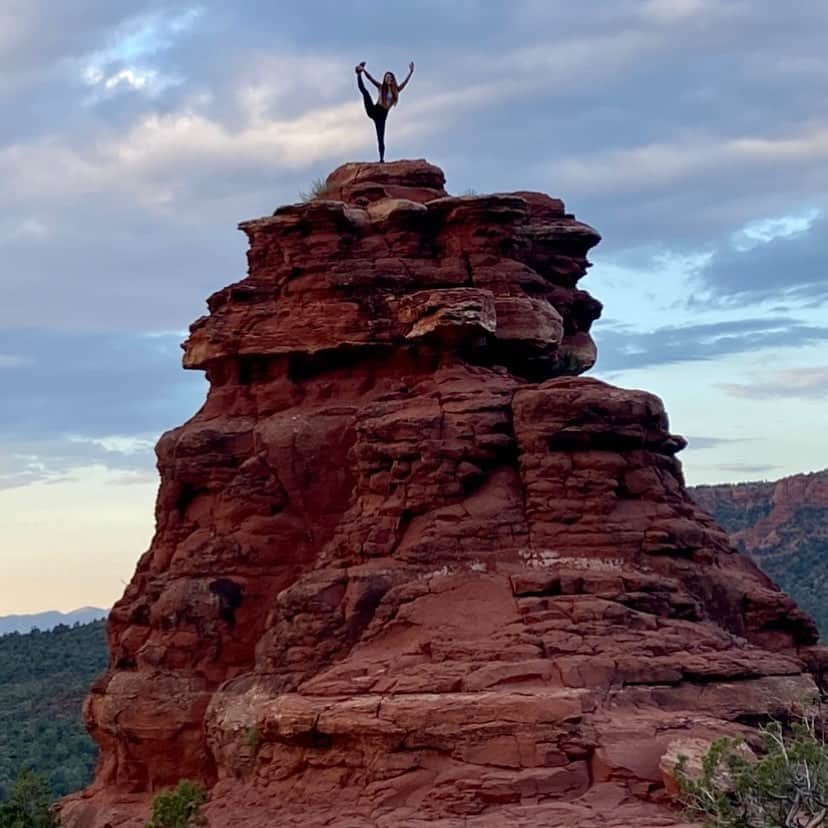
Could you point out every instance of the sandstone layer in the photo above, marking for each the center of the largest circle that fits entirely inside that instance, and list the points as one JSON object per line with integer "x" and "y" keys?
{"x": 410, "y": 568}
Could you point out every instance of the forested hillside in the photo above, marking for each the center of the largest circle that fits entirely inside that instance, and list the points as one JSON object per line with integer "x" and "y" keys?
{"x": 783, "y": 526}
{"x": 44, "y": 677}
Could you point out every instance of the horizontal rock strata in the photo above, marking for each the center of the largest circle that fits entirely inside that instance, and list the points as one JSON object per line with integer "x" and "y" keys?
{"x": 410, "y": 568}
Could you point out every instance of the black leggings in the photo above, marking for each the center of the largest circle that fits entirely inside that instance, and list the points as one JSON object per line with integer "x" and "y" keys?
{"x": 377, "y": 113}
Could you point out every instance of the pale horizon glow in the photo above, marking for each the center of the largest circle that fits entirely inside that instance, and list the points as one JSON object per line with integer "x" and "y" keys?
{"x": 76, "y": 541}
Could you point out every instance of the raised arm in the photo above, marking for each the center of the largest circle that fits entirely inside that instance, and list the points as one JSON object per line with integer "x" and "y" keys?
{"x": 373, "y": 80}
{"x": 408, "y": 76}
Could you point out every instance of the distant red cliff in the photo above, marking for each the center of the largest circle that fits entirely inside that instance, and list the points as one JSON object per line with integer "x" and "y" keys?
{"x": 783, "y": 525}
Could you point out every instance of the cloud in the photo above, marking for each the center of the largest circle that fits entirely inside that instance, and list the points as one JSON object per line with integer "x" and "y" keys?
{"x": 55, "y": 459}
{"x": 622, "y": 347}
{"x": 766, "y": 230}
{"x": 37, "y": 36}
{"x": 159, "y": 158}
{"x": 89, "y": 400}
{"x": 746, "y": 468}
{"x": 116, "y": 443}
{"x": 22, "y": 229}
{"x": 701, "y": 443}
{"x": 135, "y": 478}
{"x": 177, "y": 146}
{"x": 129, "y": 61}
{"x": 12, "y": 360}
{"x": 132, "y": 79}
{"x": 788, "y": 261}
{"x": 656, "y": 165}
{"x": 95, "y": 384}
{"x": 126, "y": 179}
{"x": 804, "y": 383}
{"x": 682, "y": 11}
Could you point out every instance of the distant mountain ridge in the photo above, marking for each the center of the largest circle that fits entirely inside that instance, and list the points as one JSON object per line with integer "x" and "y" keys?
{"x": 783, "y": 526}
{"x": 49, "y": 620}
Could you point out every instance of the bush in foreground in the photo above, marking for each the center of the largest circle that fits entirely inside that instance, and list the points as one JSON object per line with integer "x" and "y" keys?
{"x": 785, "y": 787}
{"x": 28, "y": 804}
{"x": 179, "y": 807}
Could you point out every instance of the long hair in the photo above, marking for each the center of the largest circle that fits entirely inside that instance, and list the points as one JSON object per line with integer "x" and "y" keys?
{"x": 390, "y": 90}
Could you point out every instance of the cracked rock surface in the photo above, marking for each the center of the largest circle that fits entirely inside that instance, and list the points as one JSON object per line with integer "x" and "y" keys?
{"x": 409, "y": 567}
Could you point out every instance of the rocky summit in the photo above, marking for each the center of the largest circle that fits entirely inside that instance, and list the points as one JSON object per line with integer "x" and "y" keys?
{"x": 410, "y": 568}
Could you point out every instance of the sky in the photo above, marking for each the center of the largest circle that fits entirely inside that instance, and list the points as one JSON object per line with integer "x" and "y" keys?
{"x": 135, "y": 134}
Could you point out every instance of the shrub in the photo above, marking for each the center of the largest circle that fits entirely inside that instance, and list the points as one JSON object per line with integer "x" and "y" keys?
{"x": 316, "y": 189}
{"x": 786, "y": 786}
{"x": 250, "y": 738}
{"x": 179, "y": 807}
{"x": 28, "y": 804}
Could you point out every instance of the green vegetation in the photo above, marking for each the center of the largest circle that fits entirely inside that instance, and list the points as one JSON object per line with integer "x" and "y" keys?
{"x": 44, "y": 677}
{"x": 785, "y": 787}
{"x": 798, "y": 562}
{"x": 179, "y": 807}
{"x": 736, "y": 516}
{"x": 316, "y": 189}
{"x": 250, "y": 739}
{"x": 27, "y": 804}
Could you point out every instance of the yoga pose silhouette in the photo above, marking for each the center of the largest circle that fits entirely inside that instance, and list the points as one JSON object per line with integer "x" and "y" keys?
{"x": 389, "y": 94}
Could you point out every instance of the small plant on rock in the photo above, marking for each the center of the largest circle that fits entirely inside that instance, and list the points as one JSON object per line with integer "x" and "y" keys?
{"x": 250, "y": 738}
{"x": 179, "y": 807}
{"x": 786, "y": 786}
{"x": 317, "y": 187}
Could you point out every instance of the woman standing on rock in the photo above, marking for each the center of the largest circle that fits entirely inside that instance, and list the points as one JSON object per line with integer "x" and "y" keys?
{"x": 389, "y": 94}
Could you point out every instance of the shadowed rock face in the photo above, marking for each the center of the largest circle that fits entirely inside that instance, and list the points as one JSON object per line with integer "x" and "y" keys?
{"x": 409, "y": 568}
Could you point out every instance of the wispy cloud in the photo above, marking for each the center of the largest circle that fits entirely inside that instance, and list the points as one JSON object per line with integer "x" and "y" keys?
{"x": 786, "y": 261}
{"x": 804, "y": 383}
{"x": 623, "y": 347}
{"x": 48, "y": 459}
{"x": 681, "y": 12}
{"x": 702, "y": 443}
{"x": 12, "y": 360}
{"x": 652, "y": 166}
{"x": 747, "y": 468}
{"x": 129, "y": 61}
{"x": 102, "y": 403}
{"x": 762, "y": 231}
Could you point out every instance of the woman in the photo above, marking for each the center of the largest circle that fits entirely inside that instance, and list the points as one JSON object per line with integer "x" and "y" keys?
{"x": 389, "y": 94}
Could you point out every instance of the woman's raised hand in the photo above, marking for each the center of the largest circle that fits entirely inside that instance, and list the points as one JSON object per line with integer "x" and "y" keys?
{"x": 411, "y": 66}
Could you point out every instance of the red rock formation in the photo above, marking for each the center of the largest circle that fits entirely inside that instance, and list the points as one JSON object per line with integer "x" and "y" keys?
{"x": 783, "y": 525}
{"x": 759, "y": 512}
{"x": 408, "y": 568}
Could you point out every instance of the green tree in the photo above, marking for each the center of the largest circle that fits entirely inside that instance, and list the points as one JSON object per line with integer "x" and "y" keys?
{"x": 44, "y": 677}
{"x": 179, "y": 807}
{"x": 27, "y": 804}
{"x": 785, "y": 787}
